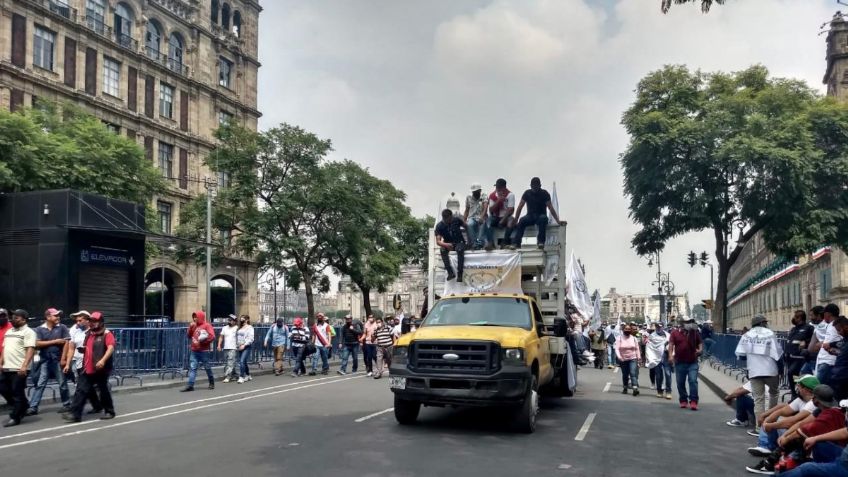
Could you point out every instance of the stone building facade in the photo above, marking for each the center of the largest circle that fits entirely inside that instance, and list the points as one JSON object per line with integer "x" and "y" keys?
{"x": 409, "y": 286}
{"x": 637, "y": 307}
{"x": 164, "y": 73}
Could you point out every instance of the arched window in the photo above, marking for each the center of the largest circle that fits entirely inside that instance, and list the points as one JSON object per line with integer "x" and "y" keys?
{"x": 152, "y": 39}
{"x": 225, "y": 16}
{"x": 123, "y": 25}
{"x": 175, "y": 52}
{"x": 237, "y": 23}
{"x": 215, "y": 8}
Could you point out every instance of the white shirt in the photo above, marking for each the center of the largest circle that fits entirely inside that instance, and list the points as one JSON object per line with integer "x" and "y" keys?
{"x": 77, "y": 341}
{"x": 830, "y": 337}
{"x": 509, "y": 203}
{"x": 396, "y": 331}
{"x": 244, "y": 335}
{"x": 324, "y": 331}
{"x": 229, "y": 335}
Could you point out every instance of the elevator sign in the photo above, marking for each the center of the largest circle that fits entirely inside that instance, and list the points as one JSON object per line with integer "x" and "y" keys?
{"x": 108, "y": 257}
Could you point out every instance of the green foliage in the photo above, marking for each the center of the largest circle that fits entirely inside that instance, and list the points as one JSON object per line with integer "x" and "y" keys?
{"x": 43, "y": 149}
{"x": 705, "y": 4}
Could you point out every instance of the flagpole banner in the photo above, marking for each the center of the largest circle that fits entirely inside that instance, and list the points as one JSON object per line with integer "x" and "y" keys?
{"x": 576, "y": 290}
{"x": 488, "y": 272}
{"x": 551, "y": 269}
{"x": 596, "y": 311}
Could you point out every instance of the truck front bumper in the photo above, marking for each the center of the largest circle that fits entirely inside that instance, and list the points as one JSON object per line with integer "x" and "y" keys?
{"x": 506, "y": 387}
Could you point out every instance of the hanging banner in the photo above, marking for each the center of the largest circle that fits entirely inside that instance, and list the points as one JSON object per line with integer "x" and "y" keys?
{"x": 489, "y": 272}
{"x": 551, "y": 269}
{"x": 576, "y": 290}
{"x": 596, "y": 312}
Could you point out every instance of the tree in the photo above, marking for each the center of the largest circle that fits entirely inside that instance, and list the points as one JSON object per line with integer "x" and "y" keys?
{"x": 41, "y": 149}
{"x": 736, "y": 154}
{"x": 705, "y": 4}
{"x": 373, "y": 234}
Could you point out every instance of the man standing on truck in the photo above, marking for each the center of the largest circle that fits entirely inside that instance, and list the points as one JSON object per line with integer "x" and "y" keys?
{"x": 449, "y": 238}
{"x": 501, "y": 208}
{"x": 538, "y": 202}
{"x": 476, "y": 209}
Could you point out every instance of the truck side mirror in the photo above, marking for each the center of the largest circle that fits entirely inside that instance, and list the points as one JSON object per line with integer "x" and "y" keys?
{"x": 560, "y": 327}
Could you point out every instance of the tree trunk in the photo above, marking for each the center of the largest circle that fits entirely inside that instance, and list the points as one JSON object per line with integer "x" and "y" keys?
{"x": 366, "y": 300}
{"x": 310, "y": 304}
{"x": 720, "y": 303}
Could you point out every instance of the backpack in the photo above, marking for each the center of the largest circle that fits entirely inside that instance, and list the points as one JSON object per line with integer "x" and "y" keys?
{"x": 611, "y": 339}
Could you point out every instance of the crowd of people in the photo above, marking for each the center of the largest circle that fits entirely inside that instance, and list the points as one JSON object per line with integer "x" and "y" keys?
{"x": 475, "y": 229}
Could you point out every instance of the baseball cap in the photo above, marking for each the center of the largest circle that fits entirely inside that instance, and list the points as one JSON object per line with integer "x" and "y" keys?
{"x": 53, "y": 312}
{"x": 843, "y": 404}
{"x": 348, "y": 317}
{"x": 758, "y": 320}
{"x": 476, "y": 186}
{"x": 687, "y": 319}
{"x": 97, "y": 316}
{"x": 824, "y": 395}
{"x": 22, "y": 313}
{"x": 81, "y": 313}
{"x": 809, "y": 381}
{"x": 500, "y": 183}
{"x": 3, "y": 311}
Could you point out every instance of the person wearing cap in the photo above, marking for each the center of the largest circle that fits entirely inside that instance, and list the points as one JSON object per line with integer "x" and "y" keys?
{"x": 18, "y": 351}
{"x": 277, "y": 337}
{"x": 828, "y": 451}
{"x": 707, "y": 336}
{"x": 827, "y": 347}
{"x": 760, "y": 348}
{"x": 349, "y": 345}
{"x": 74, "y": 354}
{"x": 227, "y": 344}
{"x": 51, "y": 340}
{"x": 796, "y": 343}
{"x": 839, "y": 371}
{"x": 501, "y": 210}
{"x": 538, "y": 202}
{"x": 244, "y": 343}
{"x": 98, "y": 347}
{"x": 299, "y": 340}
{"x": 449, "y": 238}
{"x": 684, "y": 349}
{"x": 774, "y": 422}
{"x": 476, "y": 211}
{"x": 322, "y": 338}
{"x": 202, "y": 335}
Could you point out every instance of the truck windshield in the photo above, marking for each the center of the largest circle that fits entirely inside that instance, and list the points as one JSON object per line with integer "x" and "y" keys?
{"x": 512, "y": 312}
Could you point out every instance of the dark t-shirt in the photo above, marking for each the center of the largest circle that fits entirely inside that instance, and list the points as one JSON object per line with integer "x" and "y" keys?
{"x": 536, "y": 200}
{"x": 802, "y": 333}
{"x": 450, "y": 233}
{"x": 685, "y": 345}
{"x": 59, "y": 331}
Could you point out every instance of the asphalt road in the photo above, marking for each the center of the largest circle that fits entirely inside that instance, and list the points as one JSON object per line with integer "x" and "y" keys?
{"x": 342, "y": 426}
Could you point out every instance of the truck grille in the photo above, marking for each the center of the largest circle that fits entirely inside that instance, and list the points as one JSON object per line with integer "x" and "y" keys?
{"x": 474, "y": 357}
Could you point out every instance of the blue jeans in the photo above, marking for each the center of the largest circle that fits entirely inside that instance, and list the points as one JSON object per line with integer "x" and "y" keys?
{"x": 477, "y": 231}
{"x": 369, "y": 355}
{"x": 611, "y": 355}
{"x": 708, "y": 346}
{"x": 244, "y": 357}
{"x": 320, "y": 351}
{"x": 808, "y": 368}
{"x": 825, "y": 452}
{"x": 629, "y": 373}
{"x": 347, "y": 351}
{"x": 823, "y": 373}
{"x": 768, "y": 440}
{"x": 687, "y": 372}
{"x": 663, "y": 376}
{"x": 45, "y": 368}
{"x": 540, "y": 221}
{"x": 494, "y": 223}
{"x": 812, "y": 469}
{"x": 199, "y": 358}
{"x": 744, "y": 408}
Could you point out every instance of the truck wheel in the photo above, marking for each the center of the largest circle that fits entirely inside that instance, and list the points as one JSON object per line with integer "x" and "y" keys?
{"x": 525, "y": 416}
{"x": 406, "y": 412}
{"x": 558, "y": 386}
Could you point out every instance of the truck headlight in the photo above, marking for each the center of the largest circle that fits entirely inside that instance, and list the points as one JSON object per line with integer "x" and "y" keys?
{"x": 513, "y": 356}
{"x": 400, "y": 354}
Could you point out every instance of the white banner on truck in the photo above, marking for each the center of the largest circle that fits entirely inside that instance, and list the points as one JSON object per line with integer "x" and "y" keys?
{"x": 488, "y": 272}
{"x": 576, "y": 290}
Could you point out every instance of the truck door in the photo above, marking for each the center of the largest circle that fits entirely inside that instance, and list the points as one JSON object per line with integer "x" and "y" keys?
{"x": 545, "y": 369}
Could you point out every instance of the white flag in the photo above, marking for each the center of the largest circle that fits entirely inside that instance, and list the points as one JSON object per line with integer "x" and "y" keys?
{"x": 554, "y": 202}
{"x": 576, "y": 290}
{"x": 596, "y": 312}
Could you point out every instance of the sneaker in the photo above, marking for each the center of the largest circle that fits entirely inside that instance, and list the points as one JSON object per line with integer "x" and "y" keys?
{"x": 541, "y": 246}
{"x": 764, "y": 468}
{"x": 294, "y": 375}
{"x": 684, "y": 404}
{"x": 11, "y": 423}
{"x": 240, "y": 380}
{"x": 32, "y": 412}
{"x": 736, "y": 423}
{"x": 369, "y": 374}
{"x": 341, "y": 373}
{"x": 187, "y": 389}
{"x": 226, "y": 380}
{"x": 312, "y": 373}
{"x": 693, "y": 405}
{"x": 211, "y": 386}
{"x": 668, "y": 396}
{"x": 624, "y": 391}
{"x": 378, "y": 376}
{"x": 489, "y": 247}
{"x": 660, "y": 395}
{"x": 67, "y": 417}
{"x": 450, "y": 276}
{"x": 249, "y": 378}
{"x": 108, "y": 416}
{"x": 759, "y": 451}
{"x": 94, "y": 411}
{"x": 459, "y": 279}
{"x": 610, "y": 366}
{"x": 635, "y": 392}
{"x": 753, "y": 432}
{"x": 325, "y": 372}
{"x": 64, "y": 410}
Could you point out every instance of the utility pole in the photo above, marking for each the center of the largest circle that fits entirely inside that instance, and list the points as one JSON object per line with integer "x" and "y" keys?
{"x": 210, "y": 191}
{"x": 275, "y": 295}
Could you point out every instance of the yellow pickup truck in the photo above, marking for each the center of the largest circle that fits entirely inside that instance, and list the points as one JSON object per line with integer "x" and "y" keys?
{"x": 482, "y": 349}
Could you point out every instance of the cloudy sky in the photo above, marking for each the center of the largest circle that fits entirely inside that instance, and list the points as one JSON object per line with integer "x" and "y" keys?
{"x": 437, "y": 94}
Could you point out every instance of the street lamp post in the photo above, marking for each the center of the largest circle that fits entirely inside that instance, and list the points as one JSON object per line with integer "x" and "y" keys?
{"x": 234, "y": 268}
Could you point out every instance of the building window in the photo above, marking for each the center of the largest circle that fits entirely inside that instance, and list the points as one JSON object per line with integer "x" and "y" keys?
{"x": 224, "y": 117}
{"x": 111, "y": 77}
{"x": 226, "y": 237}
{"x": 175, "y": 53}
{"x": 225, "y": 68}
{"x": 113, "y": 128}
{"x": 164, "y": 209}
{"x": 123, "y": 26}
{"x": 237, "y": 24}
{"x": 825, "y": 284}
{"x": 166, "y": 159}
{"x": 225, "y": 16}
{"x": 223, "y": 179}
{"x": 152, "y": 38}
{"x": 42, "y": 48}
{"x": 166, "y": 101}
{"x": 95, "y": 16}
{"x": 215, "y": 8}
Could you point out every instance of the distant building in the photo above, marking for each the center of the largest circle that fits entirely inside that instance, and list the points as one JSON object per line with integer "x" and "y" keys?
{"x": 639, "y": 307}
{"x": 700, "y": 313}
{"x": 409, "y": 286}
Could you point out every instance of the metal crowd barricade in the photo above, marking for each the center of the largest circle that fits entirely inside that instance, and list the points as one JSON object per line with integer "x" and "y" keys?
{"x": 724, "y": 359}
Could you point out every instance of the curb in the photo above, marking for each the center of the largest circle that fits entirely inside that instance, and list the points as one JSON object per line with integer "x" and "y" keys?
{"x": 170, "y": 384}
{"x": 721, "y": 393}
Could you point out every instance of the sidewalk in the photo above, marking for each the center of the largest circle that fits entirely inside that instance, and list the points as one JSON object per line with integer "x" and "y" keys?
{"x": 719, "y": 382}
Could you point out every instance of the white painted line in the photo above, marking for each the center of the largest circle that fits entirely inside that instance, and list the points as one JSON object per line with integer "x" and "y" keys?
{"x": 170, "y": 406}
{"x": 607, "y": 387}
{"x": 583, "y": 430}
{"x": 363, "y": 419}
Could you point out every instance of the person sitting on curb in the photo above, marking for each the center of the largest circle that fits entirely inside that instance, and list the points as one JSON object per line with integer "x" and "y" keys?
{"x": 740, "y": 398}
{"x": 777, "y": 420}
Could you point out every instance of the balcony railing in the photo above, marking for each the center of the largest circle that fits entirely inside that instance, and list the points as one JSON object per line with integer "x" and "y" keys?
{"x": 172, "y": 64}
{"x": 125, "y": 41}
{"x": 95, "y": 23}
{"x": 58, "y": 7}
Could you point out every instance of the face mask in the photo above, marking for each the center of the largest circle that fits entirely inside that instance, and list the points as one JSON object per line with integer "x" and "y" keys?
{"x": 476, "y": 194}
{"x": 626, "y": 333}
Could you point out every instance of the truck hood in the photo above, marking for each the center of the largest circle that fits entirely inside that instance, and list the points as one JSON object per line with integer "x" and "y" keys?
{"x": 507, "y": 337}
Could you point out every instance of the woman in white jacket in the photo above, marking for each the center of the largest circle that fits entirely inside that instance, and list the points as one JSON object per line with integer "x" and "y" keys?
{"x": 760, "y": 348}
{"x": 244, "y": 341}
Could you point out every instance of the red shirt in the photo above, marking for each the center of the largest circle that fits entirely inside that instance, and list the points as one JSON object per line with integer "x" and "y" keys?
{"x": 829, "y": 420}
{"x": 88, "y": 363}
{"x": 685, "y": 345}
{"x": 3, "y": 330}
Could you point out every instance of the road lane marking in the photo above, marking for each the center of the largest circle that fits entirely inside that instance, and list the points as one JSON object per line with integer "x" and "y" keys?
{"x": 169, "y": 414}
{"x": 162, "y": 408}
{"x": 363, "y": 419}
{"x": 583, "y": 430}
{"x": 607, "y": 387}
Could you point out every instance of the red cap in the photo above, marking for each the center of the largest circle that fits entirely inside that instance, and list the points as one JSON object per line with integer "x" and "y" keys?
{"x": 53, "y": 312}
{"x": 96, "y": 316}
{"x": 298, "y": 321}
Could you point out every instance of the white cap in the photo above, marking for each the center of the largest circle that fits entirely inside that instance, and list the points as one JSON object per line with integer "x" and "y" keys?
{"x": 476, "y": 186}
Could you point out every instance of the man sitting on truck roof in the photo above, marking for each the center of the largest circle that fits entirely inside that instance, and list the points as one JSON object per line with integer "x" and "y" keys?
{"x": 538, "y": 202}
{"x": 501, "y": 208}
{"x": 449, "y": 237}
{"x": 476, "y": 211}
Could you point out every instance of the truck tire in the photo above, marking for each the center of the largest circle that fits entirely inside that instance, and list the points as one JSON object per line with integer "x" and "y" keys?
{"x": 559, "y": 385}
{"x": 406, "y": 412}
{"x": 524, "y": 419}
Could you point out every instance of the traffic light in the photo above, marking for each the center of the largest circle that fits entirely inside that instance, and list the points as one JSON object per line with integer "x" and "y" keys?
{"x": 692, "y": 259}
{"x": 704, "y": 258}
{"x": 708, "y": 304}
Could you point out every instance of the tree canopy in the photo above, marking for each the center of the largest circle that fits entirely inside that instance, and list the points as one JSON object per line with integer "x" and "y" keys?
{"x": 737, "y": 154}
{"x": 43, "y": 149}
{"x": 705, "y": 4}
